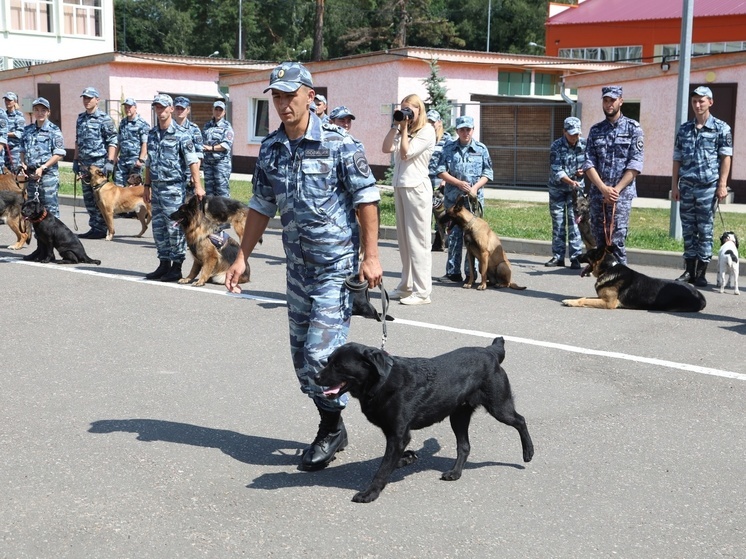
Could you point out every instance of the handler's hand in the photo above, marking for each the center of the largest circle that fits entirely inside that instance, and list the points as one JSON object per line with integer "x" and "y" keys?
{"x": 370, "y": 270}
{"x": 234, "y": 273}
{"x": 721, "y": 192}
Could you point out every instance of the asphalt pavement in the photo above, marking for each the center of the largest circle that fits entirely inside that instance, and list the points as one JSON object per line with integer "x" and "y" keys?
{"x": 150, "y": 420}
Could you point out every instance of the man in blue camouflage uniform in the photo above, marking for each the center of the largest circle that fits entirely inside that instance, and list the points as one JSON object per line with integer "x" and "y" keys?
{"x": 4, "y": 134}
{"x": 613, "y": 161}
{"x": 566, "y": 159}
{"x": 465, "y": 165}
{"x": 317, "y": 176}
{"x": 342, "y": 117}
{"x": 170, "y": 154}
{"x": 16, "y": 124}
{"x": 40, "y": 149}
{"x": 133, "y": 144}
{"x": 319, "y": 106}
{"x": 182, "y": 109}
{"x": 218, "y": 145}
{"x": 95, "y": 144}
{"x": 701, "y": 163}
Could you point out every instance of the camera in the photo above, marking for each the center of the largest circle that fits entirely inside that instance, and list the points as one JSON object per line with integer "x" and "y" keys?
{"x": 403, "y": 114}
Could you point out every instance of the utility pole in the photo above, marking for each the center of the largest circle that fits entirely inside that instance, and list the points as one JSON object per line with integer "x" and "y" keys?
{"x": 318, "y": 32}
{"x": 240, "y": 29}
{"x": 682, "y": 97}
{"x": 489, "y": 21}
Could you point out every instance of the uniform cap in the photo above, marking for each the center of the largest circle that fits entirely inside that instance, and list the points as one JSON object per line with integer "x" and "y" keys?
{"x": 90, "y": 92}
{"x": 288, "y": 77}
{"x": 163, "y": 100}
{"x": 320, "y": 99}
{"x": 341, "y": 112}
{"x": 130, "y": 101}
{"x": 572, "y": 125}
{"x": 218, "y": 104}
{"x": 613, "y": 91}
{"x": 10, "y": 96}
{"x": 464, "y": 122}
{"x": 433, "y": 115}
{"x": 41, "y": 101}
{"x": 182, "y": 102}
{"x": 702, "y": 91}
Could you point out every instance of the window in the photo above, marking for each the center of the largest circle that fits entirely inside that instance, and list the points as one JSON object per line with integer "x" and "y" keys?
{"x": 545, "y": 84}
{"x": 628, "y": 54}
{"x": 258, "y": 119}
{"x": 82, "y": 17}
{"x": 31, "y": 15}
{"x": 514, "y": 83}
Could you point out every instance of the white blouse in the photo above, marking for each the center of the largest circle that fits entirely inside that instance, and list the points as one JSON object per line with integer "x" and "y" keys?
{"x": 413, "y": 171}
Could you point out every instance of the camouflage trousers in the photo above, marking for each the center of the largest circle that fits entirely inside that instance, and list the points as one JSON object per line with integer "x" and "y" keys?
{"x": 565, "y": 233}
{"x": 319, "y": 311}
{"x": 217, "y": 177}
{"x": 47, "y": 188}
{"x": 166, "y": 197}
{"x": 601, "y": 219}
{"x": 697, "y": 212}
{"x": 124, "y": 169}
{"x": 456, "y": 236}
{"x": 95, "y": 219}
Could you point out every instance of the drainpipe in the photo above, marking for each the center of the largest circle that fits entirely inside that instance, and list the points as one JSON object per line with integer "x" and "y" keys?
{"x": 566, "y": 98}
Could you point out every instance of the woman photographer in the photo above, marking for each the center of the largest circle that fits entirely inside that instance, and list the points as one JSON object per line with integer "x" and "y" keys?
{"x": 412, "y": 139}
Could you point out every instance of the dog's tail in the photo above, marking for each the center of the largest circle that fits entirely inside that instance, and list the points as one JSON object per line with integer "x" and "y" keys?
{"x": 498, "y": 346}
{"x": 513, "y": 285}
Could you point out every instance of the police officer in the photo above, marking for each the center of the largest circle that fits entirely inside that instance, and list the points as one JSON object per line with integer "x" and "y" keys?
{"x": 182, "y": 110}
{"x": 4, "y": 134}
{"x": 133, "y": 143}
{"x": 317, "y": 176}
{"x": 16, "y": 124}
{"x": 465, "y": 165}
{"x": 319, "y": 106}
{"x": 442, "y": 137}
{"x": 41, "y": 147}
{"x": 614, "y": 159}
{"x": 170, "y": 154}
{"x": 95, "y": 144}
{"x": 218, "y": 144}
{"x": 701, "y": 163}
{"x": 342, "y": 117}
{"x": 566, "y": 160}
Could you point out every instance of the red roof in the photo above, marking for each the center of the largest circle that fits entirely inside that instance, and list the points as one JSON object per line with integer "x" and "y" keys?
{"x": 597, "y": 11}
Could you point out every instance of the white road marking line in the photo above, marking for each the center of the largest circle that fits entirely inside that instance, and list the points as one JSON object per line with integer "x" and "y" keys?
{"x": 489, "y": 335}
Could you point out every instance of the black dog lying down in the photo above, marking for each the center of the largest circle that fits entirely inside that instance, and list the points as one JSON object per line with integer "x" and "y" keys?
{"x": 52, "y": 234}
{"x": 399, "y": 394}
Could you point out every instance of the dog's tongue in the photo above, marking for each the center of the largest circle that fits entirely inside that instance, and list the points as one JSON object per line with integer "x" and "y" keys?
{"x": 578, "y": 219}
{"x": 333, "y": 390}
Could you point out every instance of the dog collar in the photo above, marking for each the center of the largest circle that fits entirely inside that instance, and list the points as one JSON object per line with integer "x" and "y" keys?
{"x": 39, "y": 220}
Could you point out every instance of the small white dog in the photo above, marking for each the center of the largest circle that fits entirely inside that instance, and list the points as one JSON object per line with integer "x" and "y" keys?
{"x": 728, "y": 261}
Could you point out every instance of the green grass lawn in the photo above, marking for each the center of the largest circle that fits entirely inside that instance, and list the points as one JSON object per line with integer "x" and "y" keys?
{"x": 648, "y": 228}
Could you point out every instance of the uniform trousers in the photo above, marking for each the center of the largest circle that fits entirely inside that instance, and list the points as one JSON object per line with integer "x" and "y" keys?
{"x": 47, "y": 188}
{"x": 95, "y": 219}
{"x": 166, "y": 197}
{"x": 565, "y": 231}
{"x": 696, "y": 209}
{"x": 620, "y": 224}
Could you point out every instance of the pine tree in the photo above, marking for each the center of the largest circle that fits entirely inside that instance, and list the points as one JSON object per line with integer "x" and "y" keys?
{"x": 438, "y": 95}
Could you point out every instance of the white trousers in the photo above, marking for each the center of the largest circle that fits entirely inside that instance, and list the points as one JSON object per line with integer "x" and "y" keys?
{"x": 414, "y": 210}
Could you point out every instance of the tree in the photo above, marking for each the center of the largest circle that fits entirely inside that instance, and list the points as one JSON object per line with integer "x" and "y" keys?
{"x": 438, "y": 95}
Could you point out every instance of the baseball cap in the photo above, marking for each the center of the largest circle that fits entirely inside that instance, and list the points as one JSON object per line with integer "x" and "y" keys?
{"x": 90, "y": 92}
{"x": 702, "y": 91}
{"x": 572, "y": 125}
{"x": 182, "y": 102}
{"x": 41, "y": 101}
{"x": 341, "y": 112}
{"x": 320, "y": 99}
{"x": 218, "y": 104}
{"x": 10, "y": 96}
{"x": 130, "y": 101}
{"x": 433, "y": 115}
{"x": 464, "y": 122}
{"x": 163, "y": 100}
{"x": 288, "y": 77}
{"x": 613, "y": 91}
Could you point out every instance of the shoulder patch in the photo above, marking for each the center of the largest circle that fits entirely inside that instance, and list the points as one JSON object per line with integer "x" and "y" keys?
{"x": 729, "y": 139}
{"x": 361, "y": 163}
{"x": 640, "y": 144}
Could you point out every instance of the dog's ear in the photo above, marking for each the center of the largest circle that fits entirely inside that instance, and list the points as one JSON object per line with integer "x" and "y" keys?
{"x": 498, "y": 345}
{"x": 381, "y": 362}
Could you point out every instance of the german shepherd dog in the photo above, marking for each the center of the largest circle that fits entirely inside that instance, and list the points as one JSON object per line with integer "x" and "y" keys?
{"x": 10, "y": 211}
{"x": 112, "y": 199}
{"x": 399, "y": 394}
{"x": 483, "y": 244}
{"x": 219, "y": 210}
{"x": 618, "y": 286}
{"x": 582, "y": 209}
{"x": 440, "y": 241}
{"x": 213, "y": 253}
{"x": 52, "y": 234}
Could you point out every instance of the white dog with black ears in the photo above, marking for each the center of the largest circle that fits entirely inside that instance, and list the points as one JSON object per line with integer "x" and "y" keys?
{"x": 728, "y": 261}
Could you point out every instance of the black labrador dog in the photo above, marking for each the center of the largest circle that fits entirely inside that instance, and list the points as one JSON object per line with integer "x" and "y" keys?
{"x": 399, "y": 394}
{"x": 52, "y": 234}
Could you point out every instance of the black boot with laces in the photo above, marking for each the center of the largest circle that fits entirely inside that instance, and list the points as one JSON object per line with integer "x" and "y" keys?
{"x": 330, "y": 439}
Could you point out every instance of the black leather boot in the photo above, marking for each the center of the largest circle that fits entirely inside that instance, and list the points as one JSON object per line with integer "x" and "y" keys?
{"x": 330, "y": 439}
{"x": 688, "y": 275}
{"x": 700, "y": 280}
{"x": 159, "y": 272}
{"x": 174, "y": 274}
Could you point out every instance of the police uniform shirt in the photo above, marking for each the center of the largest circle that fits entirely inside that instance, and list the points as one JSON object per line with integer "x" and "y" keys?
{"x": 39, "y": 143}
{"x": 316, "y": 190}
{"x": 132, "y": 134}
{"x": 564, "y": 161}
{"x": 170, "y": 153}
{"x": 3, "y": 127}
{"x": 16, "y": 123}
{"x": 699, "y": 150}
{"x": 613, "y": 148}
{"x": 218, "y": 133}
{"x": 193, "y": 130}
{"x": 94, "y": 134}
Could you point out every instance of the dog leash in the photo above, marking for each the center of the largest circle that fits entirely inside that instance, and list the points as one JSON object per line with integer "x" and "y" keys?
{"x": 75, "y": 199}
{"x": 353, "y": 283}
{"x": 609, "y": 230}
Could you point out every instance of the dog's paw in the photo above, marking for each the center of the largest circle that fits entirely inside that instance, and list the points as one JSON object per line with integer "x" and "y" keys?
{"x": 184, "y": 280}
{"x": 451, "y": 475}
{"x": 466, "y": 286}
{"x": 367, "y": 496}
{"x": 481, "y": 287}
{"x": 409, "y": 457}
{"x": 570, "y": 302}
{"x": 198, "y": 283}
